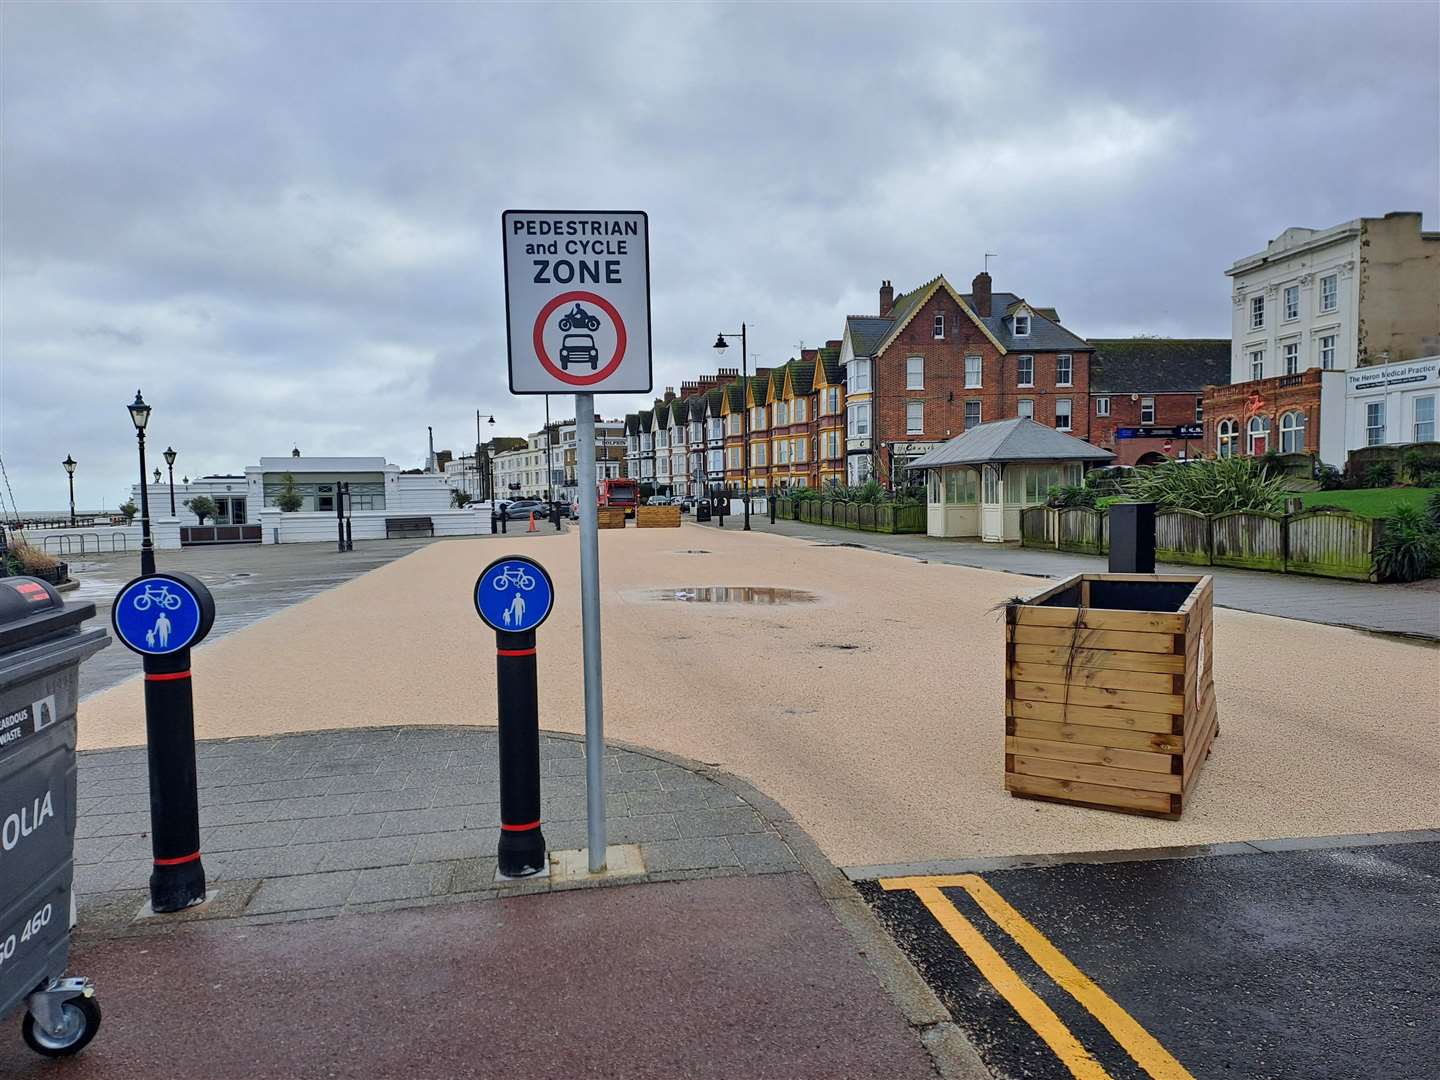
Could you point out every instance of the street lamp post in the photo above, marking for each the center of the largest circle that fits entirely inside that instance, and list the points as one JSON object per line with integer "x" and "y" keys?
{"x": 70, "y": 464}
{"x": 170, "y": 456}
{"x": 140, "y": 416}
{"x": 481, "y": 485}
{"x": 722, "y": 345}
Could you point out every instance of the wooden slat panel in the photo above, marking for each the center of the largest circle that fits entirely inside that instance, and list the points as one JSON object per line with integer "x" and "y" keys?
{"x": 1154, "y": 802}
{"x": 1120, "y": 719}
{"x": 1200, "y": 743}
{"x": 1052, "y": 731}
{"x": 1145, "y": 622}
{"x": 1125, "y": 640}
{"x": 1147, "y": 681}
{"x": 1096, "y": 774}
{"x": 1193, "y": 579}
{"x": 1050, "y": 590}
{"x": 1107, "y": 659}
{"x": 1090, "y": 755}
{"x": 1099, "y": 697}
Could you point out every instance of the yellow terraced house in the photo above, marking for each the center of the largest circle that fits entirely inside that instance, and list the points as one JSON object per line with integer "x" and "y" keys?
{"x": 828, "y": 392}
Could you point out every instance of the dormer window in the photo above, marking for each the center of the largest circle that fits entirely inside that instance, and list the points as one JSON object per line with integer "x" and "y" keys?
{"x": 1022, "y": 325}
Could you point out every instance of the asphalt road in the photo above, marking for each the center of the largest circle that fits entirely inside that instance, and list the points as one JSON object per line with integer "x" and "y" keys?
{"x": 1289, "y": 965}
{"x": 249, "y": 582}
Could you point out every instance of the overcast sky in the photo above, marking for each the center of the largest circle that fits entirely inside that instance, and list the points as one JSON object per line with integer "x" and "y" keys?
{"x": 282, "y": 220}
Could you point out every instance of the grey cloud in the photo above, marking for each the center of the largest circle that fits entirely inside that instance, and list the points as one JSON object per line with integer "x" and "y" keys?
{"x": 282, "y": 220}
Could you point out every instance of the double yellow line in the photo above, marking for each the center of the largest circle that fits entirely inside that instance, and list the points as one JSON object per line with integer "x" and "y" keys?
{"x": 1137, "y": 1042}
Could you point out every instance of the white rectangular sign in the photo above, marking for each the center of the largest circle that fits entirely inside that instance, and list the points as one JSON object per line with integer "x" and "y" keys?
{"x": 577, "y": 301}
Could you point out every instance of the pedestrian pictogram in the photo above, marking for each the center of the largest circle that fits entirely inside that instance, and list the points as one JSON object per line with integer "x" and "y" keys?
{"x": 514, "y": 594}
{"x": 577, "y": 301}
{"x": 162, "y": 614}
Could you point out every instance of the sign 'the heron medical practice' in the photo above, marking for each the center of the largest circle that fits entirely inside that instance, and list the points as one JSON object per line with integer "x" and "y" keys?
{"x": 577, "y": 301}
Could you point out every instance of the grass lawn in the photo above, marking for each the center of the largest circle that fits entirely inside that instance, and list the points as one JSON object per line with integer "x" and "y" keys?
{"x": 1371, "y": 502}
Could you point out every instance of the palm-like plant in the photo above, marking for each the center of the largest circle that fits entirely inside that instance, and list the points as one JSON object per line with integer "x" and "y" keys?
{"x": 1212, "y": 486}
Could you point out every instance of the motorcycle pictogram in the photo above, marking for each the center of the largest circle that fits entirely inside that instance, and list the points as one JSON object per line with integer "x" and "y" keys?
{"x": 579, "y": 319}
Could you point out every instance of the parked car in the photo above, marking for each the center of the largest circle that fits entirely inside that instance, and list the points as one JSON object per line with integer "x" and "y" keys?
{"x": 658, "y": 500}
{"x": 685, "y": 502}
{"x": 523, "y": 508}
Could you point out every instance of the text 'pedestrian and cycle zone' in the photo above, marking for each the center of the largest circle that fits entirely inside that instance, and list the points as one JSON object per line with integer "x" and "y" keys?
{"x": 162, "y": 613}
{"x": 577, "y": 301}
{"x": 514, "y": 595}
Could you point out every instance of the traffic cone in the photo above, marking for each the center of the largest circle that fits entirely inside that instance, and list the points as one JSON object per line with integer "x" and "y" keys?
{"x": 532, "y": 523}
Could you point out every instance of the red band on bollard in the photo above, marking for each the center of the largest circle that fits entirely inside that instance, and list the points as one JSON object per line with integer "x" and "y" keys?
{"x": 166, "y": 676}
{"x": 520, "y": 828}
{"x": 176, "y": 862}
{"x": 514, "y": 652}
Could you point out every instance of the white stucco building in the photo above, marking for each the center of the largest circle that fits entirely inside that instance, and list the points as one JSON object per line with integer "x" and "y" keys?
{"x": 1392, "y": 404}
{"x": 1363, "y": 292}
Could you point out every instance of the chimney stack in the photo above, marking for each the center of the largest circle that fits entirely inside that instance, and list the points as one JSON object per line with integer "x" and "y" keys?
{"x": 980, "y": 293}
{"x": 887, "y": 297}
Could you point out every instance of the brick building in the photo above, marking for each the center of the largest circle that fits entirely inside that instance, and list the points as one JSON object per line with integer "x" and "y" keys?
{"x": 1147, "y": 395}
{"x": 934, "y": 363}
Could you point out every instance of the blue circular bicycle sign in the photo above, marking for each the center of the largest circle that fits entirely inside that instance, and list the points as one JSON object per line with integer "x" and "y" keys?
{"x": 514, "y": 594}
{"x": 162, "y": 613}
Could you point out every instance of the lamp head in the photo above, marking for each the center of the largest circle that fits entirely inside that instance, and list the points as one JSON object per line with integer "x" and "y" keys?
{"x": 170, "y": 455}
{"x": 721, "y": 343}
{"x": 69, "y": 464}
{"x": 139, "y": 412}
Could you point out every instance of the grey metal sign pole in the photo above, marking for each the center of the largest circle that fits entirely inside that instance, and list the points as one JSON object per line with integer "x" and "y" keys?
{"x": 590, "y": 630}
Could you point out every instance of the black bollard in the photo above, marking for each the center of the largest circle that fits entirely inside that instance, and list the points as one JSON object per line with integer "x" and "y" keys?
{"x": 522, "y": 845}
{"x": 504, "y": 517}
{"x": 555, "y": 516}
{"x": 177, "y": 879}
{"x": 349, "y": 536}
{"x": 721, "y": 505}
{"x": 161, "y": 616}
{"x": 513, "y": 596}
{"x": 1132, "y": 538}
{"x": 770, "y": 499}
{"x": 340, "y": 517}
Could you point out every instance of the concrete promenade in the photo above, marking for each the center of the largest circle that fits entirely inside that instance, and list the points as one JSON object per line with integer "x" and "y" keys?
{"x": 1412, "y": 609}
{"x": 873, "y": 713}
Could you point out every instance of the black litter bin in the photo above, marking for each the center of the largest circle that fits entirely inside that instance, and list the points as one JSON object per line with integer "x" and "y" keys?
{"x": 41, "y": 647}
{"x": 702, "y": 510}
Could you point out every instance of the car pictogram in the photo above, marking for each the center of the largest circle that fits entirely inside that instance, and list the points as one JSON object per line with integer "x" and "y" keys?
{"x": 579, "y": 349}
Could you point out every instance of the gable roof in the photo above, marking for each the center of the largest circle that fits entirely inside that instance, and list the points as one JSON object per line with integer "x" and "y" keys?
{"x": 1016, "y": 439}
{"x": 830, "y": 364}
{"x": 1046, "y": 334}
{"x": 1159, "y": 365}
{"x": 801, "y": 377}
{"x": 867, "y": 331}
{"x": 908, "y": 306}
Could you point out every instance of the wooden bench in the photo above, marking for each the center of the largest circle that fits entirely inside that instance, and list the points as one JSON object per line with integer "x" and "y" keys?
{"x": 409, "y": 526}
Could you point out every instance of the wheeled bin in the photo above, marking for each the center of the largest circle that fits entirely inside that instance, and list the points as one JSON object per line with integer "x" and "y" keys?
{"x": 41, "y": 647}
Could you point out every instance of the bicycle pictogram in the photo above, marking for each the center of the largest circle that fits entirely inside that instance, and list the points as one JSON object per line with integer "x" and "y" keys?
{"x": 513, "y": 575}
{"x": 157, "y": 594}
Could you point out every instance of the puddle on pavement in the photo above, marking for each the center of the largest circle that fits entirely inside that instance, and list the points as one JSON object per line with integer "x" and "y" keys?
{"x": 725, "y": 594}
{"x": 692, "y": 551}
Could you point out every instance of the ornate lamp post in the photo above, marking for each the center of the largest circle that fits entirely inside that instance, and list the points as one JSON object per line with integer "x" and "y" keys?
{"x": 140, "y": 416}
{"x": 722, "y": 345}
{"x": 70, "y": 464}
{"x": 170, "y": 464}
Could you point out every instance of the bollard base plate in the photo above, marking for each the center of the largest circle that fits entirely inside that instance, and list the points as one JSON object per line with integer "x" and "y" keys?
{"x": 147, "y": 910}
{"x": 539, "y": 875}
{"x": 621, "y": 861}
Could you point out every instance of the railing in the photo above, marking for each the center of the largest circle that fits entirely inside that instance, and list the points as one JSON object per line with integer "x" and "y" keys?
{"x": 65, "y": 542}
{"x": 866, "y": 517}
{"x": 1327, "y": 543}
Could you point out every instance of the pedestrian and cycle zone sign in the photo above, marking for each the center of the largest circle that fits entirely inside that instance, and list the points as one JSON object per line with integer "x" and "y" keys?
{"x": 577, "y": 301}
{"x": 514, "y": 595}
{"x": 158, "y": 615}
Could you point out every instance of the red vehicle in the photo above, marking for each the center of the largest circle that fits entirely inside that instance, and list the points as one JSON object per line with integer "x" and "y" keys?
{"x": 624, "y": 493}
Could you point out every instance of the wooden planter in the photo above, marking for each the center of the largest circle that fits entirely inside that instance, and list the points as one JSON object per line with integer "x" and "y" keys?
{"x": 610, "y": 517}
{"x": 1109, "y": 691}
{"x": 657, "y": 517}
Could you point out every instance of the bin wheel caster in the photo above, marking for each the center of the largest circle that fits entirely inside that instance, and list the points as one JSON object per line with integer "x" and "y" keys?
{"x": 81, "y": 1016}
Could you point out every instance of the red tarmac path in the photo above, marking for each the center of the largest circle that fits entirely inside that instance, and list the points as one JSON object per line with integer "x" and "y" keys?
{"x": 734, "y": 978}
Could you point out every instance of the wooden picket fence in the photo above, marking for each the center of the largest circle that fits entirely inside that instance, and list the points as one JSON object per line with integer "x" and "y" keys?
{"x": 1327, "y": 543}
{"x": 865, "y": 517}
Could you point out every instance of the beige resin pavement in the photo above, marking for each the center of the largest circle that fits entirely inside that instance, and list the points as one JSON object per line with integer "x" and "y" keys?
{"x": 874, "y": 714}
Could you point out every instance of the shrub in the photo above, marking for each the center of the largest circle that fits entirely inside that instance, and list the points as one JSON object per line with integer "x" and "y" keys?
{"x": 1065, "y": 496}
{"x": 202, "y": 506}
{"x": 289, "y": 500}
{"x": 1380, "y": 475}
{"x": 27, "y": 558}
{"x": 1410, "y": 547}
{"x": 129, "y": 509}
{"x": 1413, "y": 465}
{"x": 1432, "y": 510}
{"x": 460, "y": 499}
{"x": 1210, "y": 486}
{"x": 1330, "y": 478}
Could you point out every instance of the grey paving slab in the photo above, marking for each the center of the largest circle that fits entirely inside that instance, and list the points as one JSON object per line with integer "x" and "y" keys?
{"x": 346, "y": 834}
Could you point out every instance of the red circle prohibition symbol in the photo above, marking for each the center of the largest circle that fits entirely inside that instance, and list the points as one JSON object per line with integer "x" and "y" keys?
{"x": 554, "y": 368}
